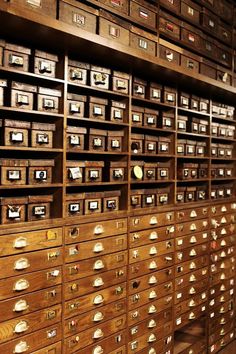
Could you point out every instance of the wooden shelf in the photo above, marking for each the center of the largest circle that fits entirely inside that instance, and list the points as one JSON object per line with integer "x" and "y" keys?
{"x": 97, "y": 121}
{"x": 32, "y": 112}
{"x": 95, "y": 184}
{"x": 29, "y": 75}
{"x": 153, "y": 103}
{"x": 193, "y": 112}
{"x": 83, "y": 152}
{"x": 29, "y": 149}
{"x": 193, "y": 134}
{"x": 158, "y": 130}
{"x": 153, "y": 182}
{"x": 35, "y": 187}
{"x": 93, "y": 90}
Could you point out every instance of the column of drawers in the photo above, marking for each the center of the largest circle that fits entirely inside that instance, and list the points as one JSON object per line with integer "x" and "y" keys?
{"x": 150, "y": 291}
{"x": 95, "y": 287}
{"x": 191, "y": 272}
{"x": 30, "y": 291}
{"x": 222, "y": 277}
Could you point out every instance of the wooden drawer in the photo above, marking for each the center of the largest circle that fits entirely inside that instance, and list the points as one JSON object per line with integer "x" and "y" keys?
{"x": 172, "y": 5}
{"x": 34, "y": 341}
{"x": 28, "y": 262}
{"x": 13, "y": 172}
{"x": 115, "y": 141}
{"x": 225, "y": 9}
{"x": 94, "y": 248}
{"x": 29, "y": 303}
{"x": 198, "y": 277}
{"x": 22, "y": 95}
{"x": 42, "y": 135}
{"x": 191, "y": 253}
{"x": 97, "y": 108}
{"x": 191, "y": 37}
{"x": 221, "y": 209}
{"x": 192, "y": 290}
{"x": 97, "y": 139}
{"x": 87, "y": 320}
{"x": 192, "y": 227}
{"x": 95, "y": 300}
{"x": 139, "y": 87}
{"x": 54, "y": 348}
{"x": 151, "y": 340}
{"x": 169, "y": 97}
{"x": 169, "y": 26}
{"x": 39, "y": 207}
{"x": 75, "y": 105}
{"x": 222, "y": 243}
{"x": 151, "y": 221}
{"x": 3, "y": 85}
{"x": 78, "y": 15}
{"x": 94, "y": 266}
{"x": 221, "y": 220}
{"x": 45, "y": 63}
{"x": 225, "y": 33}
{"x": 219, "y": 333}
{"x": 148, "y": 326}
{"x": 160, "y": 346}
{"x": 120, "y": 82}
{"x": 110, "y": 345}
{"x": 41, "y": 7}
{"x": 120, "y": 5}
{"x": 149, "y": 251}
{"x": 48, "y": 100}
{"x": 95, "y": 230}
{"x": 190, "y": 304}
{"x": 190, "y": 64}
{"x": 143, "y": 40}
{"x": 151, "y": 265}
{"x": 78, "y": 72}
{"x": 190, "y": 316}
{"x": 117, "y": 170}
{"x": 217, "y": 346}
{"x": 209, "y": 21}
{"x": 186, "y": 241}
{"x": 13, "y": 210}
{"x": 169, "y": 54}
{"x": 29, "y": 282}
{"x": 13, "y": 329}
{"x": 90, "y": 336}
{"x": 224, "y": 55}
{"x": 192, "y": 214}
{"x": 113, "y": 28}
{"x": 222, "y": 287}
{"x": 160, "y": 310}
{"x": 143, "y": 12}
{"x": 30, "y": 241}
{"x": 118, "y": 111}
{"x": 16, "y": 133}
{"x": 191, "y": 266}
{"x": 90, "y": 284}
{"x": 150, "y": 281}
{"x": 190, "y": 10}
{"x": 40, "y": 171}
{"x": 16, "y": 57}
{"x": 145, "y": 237}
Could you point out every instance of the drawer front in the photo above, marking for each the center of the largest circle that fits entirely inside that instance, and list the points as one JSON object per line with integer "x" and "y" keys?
{"x": 142, "y": 14}
{"x": 94, "y": 266}
{"x": 54, "y": 349}
{"x": 139, "y": 42}
{"x": 225, "y": 274}
{"x": 147, "y": 252}
{"x": 121, "y": 5}
{"x": 12, "y": 287}
{"x": 151, "y": 221}
{"x": 113, "y": 31}
{"x": 192, "y": 278}
{"x": 220, "y": 288}
{"x": 184, "y": 242}
{"x": 28, "y": 303}
{"x": 223, "y": 242}
{"x": 190, "y": 316}
{"x": 149, "y": 295}
{"x": 161, "y": 346}
{"x": 151, "y": 265}
{"x": 220, "y": 256}
{"x": 77, "y": 17}
{"x": 148, "y": 326}
{"x": 169, "y": 55}
{"x": 12, "y": 329}
{"x": 95, "y": 300}
{"x": 189, "y": 64}
{"x": 168, "y": 28}
{"x": 48, "y": 104}
{"x": 34, "y": 341}
{"x": 90, "y": 284}
{"x": 192, "y": 265}
{"x": 216, "y": 347}
{"x": 150, "y": 281}
{"x": 189, "y": 10}
{"x": 219, "y": 220}
{"x": 161, "y": 309}
{"x": 90, "y": 249}
{"x": 28, "y": 262}
{"x": 191, "y": 291}
{"x": 22, "y": 99}
{"x": 191, "y": 253}
{"x": 91, "y": 335}
{"x": 192, "y": 214}
{"x": 92, "y": 231}
{"x": 141, "y": 238}
{"x": 172, "y": 5}
{"x": 220, "y": 332}
{"x": 190, "y": 304}
{"x": 41, "y": 7}
{"x": 223, "y": 231}
{"x": 224, "y": 208}
{"x": 80, "y": 323}
{"x": 191, "y": 39}
{"x": 30, "y": 241}
{"x": 192, "y": 227}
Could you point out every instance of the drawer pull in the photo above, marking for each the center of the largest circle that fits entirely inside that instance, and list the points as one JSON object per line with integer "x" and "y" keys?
{"x": 192, "y": 303}
{"x": 153, "y": 351}
{"x": 223, "y": 220}
{"x": 152, "y": 280}
{"x": 98, "y": 282}
{"x": 151, "y": 338}
{"x": 153, "y": 236}
{"x": 223, "y": 209}
{"x": 193, "y": 239}
{"x": 98, "y": 265}
{"x": 21, "y": 264}
{"x": 223, "y": 232}
{"x": 192, "y": 291}
{"x": 152, "y": 309}
{"x": 51, "y": 235}
{"x": 192, "y": 278}
{"x": 192, "y": 253}
{"x": 20, "y": 306}
{"x": 233, "y": 206}
{"x": 98, "y": 230}
{"x": 153, "y": 220}
{"x": 193, "y": 214}
{"x": 21, "y": 327}
{"x": 153, "y": 251}
{"x": 191, "y": 316}
{"x": 98, "y": 334}
{"x": 152, "y": 324}
{"x": 98, "y": 300}
{"x": 98, "y": 317}
{"x": 192, "y": 265}
{"x": 53, "y": 273}
{"x": 193, "y": 227}
{"x": 222, "y": 288}
{"x": 98, "y": 247}
{"x": 222, "y": 266}
{"x": 21, "y": 285}
{"x": 152, "y": 295}
{"x": 153, "y": 265}
{"x": 74, "y": 232}
{"x": 21, "y": 347}
{"x": 20, "y": 242}
{"x": 98, "y": 350}
{"x": 223, "y": 243}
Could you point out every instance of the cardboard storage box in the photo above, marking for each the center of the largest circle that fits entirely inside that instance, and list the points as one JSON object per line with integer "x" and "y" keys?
{"x": 45, "y": 63}
{"x": 97, "y": 108}
{"x": 41, "y": 7}
{"x": 13, "y": 172}
{"x": 120, "y": 82}
{"x": 100, "y": 77}
{"x": 93, "y": 171}
{"x": 113, "y": 28}
{"x": 75, "y": 137}
{"x": 39, "y": 207}
{"x": 74, "y": 204}
{"x": 48, "y": 100}
{"x": 111, "y": 201}
{"x": 16, "y": 57}
{"x": 78, "y": 72}
{"x": 76, "y": 105}
{"x": 13, "y": 209}
{"x": 15, "y": 133}
{"x": 117, "y": 111}
{"x": 22, "y": 95}
{"x": 117, "y": 170}
{"x": 42, "y": 135}
{"x": 78, "y": 15}
{"x": 40, "y": 171}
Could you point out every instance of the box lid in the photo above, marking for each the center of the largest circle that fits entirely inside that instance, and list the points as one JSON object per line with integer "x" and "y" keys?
{"x": 17, "y": 48}
{"x": 75, "y": 97}
{"x": 101, "y": 101}
{"x": 77, "y": 130}
{"x": 78, "y": 64}
{"x": 13, "y": 163}
{"x": 41, "y": 163}
{"x": 97, "y": 132}
{"x": 16, "y": 124}
{"x": 13, "y": 200}
{"x": 75, "y": 197}
{"x": 23, "y": 87}
{"x": 45, "y": 55}
{"x": 43, "y": 126}
{"x": 49, "y": 92}
{"x": 33, "y": 199}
